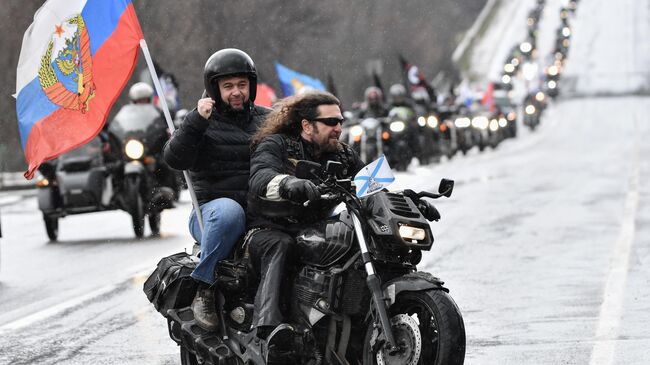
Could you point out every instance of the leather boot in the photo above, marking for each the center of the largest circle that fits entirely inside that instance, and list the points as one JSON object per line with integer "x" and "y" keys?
{"x": 204, "y": 308}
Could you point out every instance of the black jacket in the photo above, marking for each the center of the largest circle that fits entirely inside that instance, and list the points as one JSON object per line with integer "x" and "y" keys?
{"x": 217, "y": 152}
{"x": 276, "y": 155}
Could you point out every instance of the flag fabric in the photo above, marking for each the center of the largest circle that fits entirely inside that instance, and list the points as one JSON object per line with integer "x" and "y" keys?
{"x": 293, "y": 82}
{"x": 76, "y": 58}
{"x": 415, "y": 79}
{"x": 265, "y": 95}
{"x": 373, "y": 177}
{"x": 488, "y": 98}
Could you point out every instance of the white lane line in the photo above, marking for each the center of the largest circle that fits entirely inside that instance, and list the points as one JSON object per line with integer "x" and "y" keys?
{"x": 68, "y": 304}
{"x": 611, "y": 310}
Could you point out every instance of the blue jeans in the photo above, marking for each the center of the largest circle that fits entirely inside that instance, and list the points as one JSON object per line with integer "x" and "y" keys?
{"x": 224, "y": 221}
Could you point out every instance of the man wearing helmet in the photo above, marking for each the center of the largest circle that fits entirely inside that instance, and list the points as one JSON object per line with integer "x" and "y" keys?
{"x": 141, "y": 93}
{"x": 213, "y": 144}
{"x": 373, "y": 106}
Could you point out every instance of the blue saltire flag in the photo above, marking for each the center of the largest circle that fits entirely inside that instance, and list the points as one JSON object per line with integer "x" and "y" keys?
{"x": 293, "y": 82}
{"x": 373, "y": 177}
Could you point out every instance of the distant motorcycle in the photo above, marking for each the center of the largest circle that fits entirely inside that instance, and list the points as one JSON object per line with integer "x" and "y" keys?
{"x": 119, "y": 169}
{"x": 149, "y": 185}
{"x": 400, "y": 142}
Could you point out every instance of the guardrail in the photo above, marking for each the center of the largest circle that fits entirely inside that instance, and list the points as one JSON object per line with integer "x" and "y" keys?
{"x": 15, "y": 181}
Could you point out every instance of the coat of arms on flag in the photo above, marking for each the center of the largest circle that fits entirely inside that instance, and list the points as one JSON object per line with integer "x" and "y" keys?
{"x": 76, "y": 58}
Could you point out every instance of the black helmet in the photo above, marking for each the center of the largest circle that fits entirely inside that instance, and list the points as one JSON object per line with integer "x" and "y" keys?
{"x": 227, "y": 62}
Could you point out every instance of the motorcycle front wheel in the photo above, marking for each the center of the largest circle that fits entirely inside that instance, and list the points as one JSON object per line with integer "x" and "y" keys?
{"x": 428, "y": 328}
{"x": 136, "y": 205}
{"x": 51, "y": 227}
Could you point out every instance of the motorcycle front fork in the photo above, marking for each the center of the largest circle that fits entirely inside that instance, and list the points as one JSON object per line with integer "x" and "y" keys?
{"x": 374, "y": 284}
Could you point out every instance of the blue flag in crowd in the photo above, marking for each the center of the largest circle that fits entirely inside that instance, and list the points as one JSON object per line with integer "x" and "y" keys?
{"x": 293, "y": 82}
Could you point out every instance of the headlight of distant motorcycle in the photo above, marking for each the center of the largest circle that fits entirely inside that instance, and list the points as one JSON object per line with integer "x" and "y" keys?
{"x": 540, "y": 96}
{"x": 422, "y": 121}
{"x": 530, "y": 109}
{"x": 503, "y": 122}
{"x": 432, "y": 121}
{"x": 397, "y": 126}
{"x": 412, "y": 233}
{"x": 505, "y": 79}
{"x": 509, "y": 68}
{"x": 356, "y": 131}
{"x": 494, "y": 125}
{"x": 480, "y": 122}
{"x": 134, "y": 149}
{"x": 462, "y": 122}
{"x": 552, "y": 84}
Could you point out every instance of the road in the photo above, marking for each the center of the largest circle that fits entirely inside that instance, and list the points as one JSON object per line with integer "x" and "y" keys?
{"x": 544, "y": 245}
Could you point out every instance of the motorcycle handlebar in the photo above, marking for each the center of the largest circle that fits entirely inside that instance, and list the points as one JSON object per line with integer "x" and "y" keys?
{"x": 326, "y": 196}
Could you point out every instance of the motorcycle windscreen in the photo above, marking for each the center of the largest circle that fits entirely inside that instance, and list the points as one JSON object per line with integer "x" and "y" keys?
{"x": 141, "y": 121}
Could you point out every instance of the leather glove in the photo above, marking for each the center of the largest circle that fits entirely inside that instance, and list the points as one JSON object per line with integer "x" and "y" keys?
{"x": 298, "y": 190}
{"x": 428, "y": 211}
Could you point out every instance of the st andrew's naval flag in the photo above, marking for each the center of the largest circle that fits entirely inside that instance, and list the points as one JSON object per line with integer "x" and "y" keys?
{"x": 294, "y": 82}
{"x": 373, "y": 177}
{"x": 75, "y": 60}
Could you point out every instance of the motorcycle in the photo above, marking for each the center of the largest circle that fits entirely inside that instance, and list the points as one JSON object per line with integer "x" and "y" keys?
{"x": 148, "y": 184}
{"x": 353, "y": 296}
{"x": 77, "y": 182}
{"x": 119, "y": 169}
{"x": 366, "y": 138}
{"x": 400, "y": 140}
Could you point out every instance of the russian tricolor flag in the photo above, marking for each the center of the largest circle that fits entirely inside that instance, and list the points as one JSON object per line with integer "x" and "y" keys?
{"x": 76, "y": 58}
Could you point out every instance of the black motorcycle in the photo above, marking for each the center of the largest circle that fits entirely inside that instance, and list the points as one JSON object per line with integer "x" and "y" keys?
{"x": 121, "y": 168}
{"x": 149, "y": 185}
{"x": 353, "y": 296}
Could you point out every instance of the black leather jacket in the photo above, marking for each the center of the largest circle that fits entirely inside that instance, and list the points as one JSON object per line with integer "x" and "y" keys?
{"x": 277, "y": 155}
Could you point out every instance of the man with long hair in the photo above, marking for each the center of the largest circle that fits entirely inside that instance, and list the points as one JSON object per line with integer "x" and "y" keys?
{"x": 301, "y": 127}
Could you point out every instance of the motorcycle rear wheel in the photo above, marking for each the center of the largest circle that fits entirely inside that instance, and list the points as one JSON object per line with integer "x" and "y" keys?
{"x": 440, "y": 325}
{"x": 188, "y": 358}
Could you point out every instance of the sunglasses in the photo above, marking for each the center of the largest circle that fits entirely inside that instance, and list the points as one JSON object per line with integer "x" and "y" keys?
{"x": 330, "y": 121}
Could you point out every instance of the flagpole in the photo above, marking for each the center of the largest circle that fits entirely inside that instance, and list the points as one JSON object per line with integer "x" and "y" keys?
{"x": 170, "y": 124}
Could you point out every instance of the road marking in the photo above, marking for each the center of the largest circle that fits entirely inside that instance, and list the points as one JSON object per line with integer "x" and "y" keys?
{"x": 611, "y": 309}
{"x": 68, "y": 304}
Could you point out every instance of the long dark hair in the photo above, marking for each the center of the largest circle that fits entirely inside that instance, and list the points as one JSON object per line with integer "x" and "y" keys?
{"x": 289, "y": 112}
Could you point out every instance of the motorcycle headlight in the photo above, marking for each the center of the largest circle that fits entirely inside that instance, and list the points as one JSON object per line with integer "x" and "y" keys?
{"x": 397, "y": 126}
{"x": 505, "y": 79}
{"x": 530, "y": 109}
{"x": 552, "y": 84}
{"x": 412, "y": 233}
{"x": 480, "y": 122}
{"x": 432, "y": 121}
{"x": 422, "y": 121}
{"x": 134, "y": 149}
{"x": 494, "y": 125}
{"x": 509, "y": 68}
{"x": 503, "y": 122}
{"x": 462, "y": 122}
{"x": 540, "y": 96}
{"x": 356, "y": 131}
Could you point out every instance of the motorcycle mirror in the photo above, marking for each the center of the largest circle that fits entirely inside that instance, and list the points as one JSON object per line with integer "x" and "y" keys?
{"x": 334, "y": 168}
{"x": 446, "y": 187}
{"x": 307, "y": 169}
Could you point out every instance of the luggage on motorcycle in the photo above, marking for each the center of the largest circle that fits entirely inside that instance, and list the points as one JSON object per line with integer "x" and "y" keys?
{"x": 170, "y": 286}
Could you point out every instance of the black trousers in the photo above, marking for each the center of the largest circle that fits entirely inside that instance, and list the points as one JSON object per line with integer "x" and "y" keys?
{"x": 269, "y": 251}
